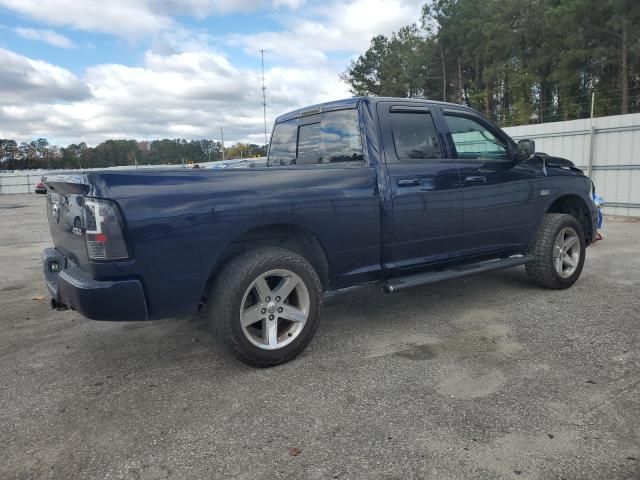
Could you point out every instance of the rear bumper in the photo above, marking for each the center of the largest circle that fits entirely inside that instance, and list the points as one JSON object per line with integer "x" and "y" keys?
{"x": 119, "y": 300}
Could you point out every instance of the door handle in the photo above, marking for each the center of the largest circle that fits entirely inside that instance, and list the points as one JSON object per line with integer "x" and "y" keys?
{"x": 409, "y": 182}
{"x": 475, "y": 179}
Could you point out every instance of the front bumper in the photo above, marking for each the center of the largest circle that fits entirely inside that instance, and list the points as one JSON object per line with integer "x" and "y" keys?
{"x": 593, "y": 215}
{"x": 69, "y": 285}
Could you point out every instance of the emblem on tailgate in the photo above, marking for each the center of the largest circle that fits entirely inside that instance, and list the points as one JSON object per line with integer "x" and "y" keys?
{"x": 55, "y": 211}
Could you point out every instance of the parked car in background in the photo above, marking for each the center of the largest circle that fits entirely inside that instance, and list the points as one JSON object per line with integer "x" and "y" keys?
{"x": 40, "y": 188}
{"x": 386, "y": 191}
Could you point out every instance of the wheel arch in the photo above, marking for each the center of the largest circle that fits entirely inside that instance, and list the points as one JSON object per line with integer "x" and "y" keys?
{"x": 292, "y": 237}
{"x": 575, "y": 206}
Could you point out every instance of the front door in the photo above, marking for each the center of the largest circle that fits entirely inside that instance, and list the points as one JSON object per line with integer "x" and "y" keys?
{"x": 498, "y": 193}
{"x": 426, "y": 217}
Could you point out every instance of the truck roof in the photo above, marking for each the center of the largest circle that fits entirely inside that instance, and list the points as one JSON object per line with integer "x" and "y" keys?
{"x": 352, "y": 103}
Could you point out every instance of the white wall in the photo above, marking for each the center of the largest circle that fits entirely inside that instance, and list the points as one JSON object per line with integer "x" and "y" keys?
{"x": 616, "y": 154}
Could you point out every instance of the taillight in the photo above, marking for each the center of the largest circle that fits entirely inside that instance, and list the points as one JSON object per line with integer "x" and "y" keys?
{"x": 103, "y": 231}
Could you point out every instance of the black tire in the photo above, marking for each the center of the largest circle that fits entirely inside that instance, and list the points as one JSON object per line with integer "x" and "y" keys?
{"x": 226, "y": 297}
{"x": 541, "y": 269}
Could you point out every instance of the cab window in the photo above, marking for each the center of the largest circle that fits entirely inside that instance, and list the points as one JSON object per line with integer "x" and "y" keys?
{"x": 309, "y": 143}
{"x": 282, "y": 150}
{"x": 332, "y": 140}
{"x": 473, "y": 140}
{"x": 414, "y": 136}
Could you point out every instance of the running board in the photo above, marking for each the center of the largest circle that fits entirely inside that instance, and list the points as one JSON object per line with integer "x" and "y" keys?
{"x": 395, "y": 284}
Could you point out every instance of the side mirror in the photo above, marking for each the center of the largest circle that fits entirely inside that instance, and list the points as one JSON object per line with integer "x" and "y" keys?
{"x": 526, "y": 148}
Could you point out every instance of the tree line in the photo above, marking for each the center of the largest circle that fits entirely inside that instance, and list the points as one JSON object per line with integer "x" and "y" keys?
{"x": 40, "y": 154}
{"x": 518, "y": 61}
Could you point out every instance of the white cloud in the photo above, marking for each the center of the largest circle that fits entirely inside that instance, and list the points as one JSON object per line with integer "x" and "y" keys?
{"x": 186, "y": 85}
{"x": 204, "y": 8}
{"x": 293, "y": 4}
{"x": 133, "y": 18}
{"x": 47, "y": 36}
{"x": 332, "y": 26}
{"x": 24, "y": 80}
{"x": 190, "y": 94}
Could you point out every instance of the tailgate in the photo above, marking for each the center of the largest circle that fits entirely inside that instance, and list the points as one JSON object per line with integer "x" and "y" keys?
{"x": 65, "y": 201}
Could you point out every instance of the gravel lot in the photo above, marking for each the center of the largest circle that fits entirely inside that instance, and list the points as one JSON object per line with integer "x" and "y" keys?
{"x": 484, "y": 377}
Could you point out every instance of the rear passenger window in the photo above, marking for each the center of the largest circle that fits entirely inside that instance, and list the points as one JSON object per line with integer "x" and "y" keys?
{"x": 341, "y": 141}
{"x": 414, "y": 136}
{"x": 334, "y": 140}
{"x": 282, "y": 150}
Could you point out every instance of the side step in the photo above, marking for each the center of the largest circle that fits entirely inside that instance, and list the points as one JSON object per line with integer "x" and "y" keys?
{"x": 400, "y": 283}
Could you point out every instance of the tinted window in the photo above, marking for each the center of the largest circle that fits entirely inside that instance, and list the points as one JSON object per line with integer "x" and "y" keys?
{"x": 472, "y": 140}
{"x": 282, "y": 150}
{"x": 414, "y": 136}
{"x": 333, "y": 140}
{"x": 309, "y": 144}
{"x": 341, "y": 137}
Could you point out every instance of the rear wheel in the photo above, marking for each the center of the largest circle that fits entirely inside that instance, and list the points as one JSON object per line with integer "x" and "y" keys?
{"x": 558, "y": 252}
{"x": 265, "y": 306}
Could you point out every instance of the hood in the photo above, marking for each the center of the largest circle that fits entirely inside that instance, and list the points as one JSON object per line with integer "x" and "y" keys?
{"x": 557, "y": 162}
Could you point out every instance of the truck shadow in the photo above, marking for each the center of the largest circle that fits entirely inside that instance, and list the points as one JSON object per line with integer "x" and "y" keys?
{"x": 486, "y": 287}
{"x": 188, "y": 344}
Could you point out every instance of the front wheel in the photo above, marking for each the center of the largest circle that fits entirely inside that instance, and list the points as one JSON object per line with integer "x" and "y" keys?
{"x": 558, "y": 252}
{"x": 265, "y": 306}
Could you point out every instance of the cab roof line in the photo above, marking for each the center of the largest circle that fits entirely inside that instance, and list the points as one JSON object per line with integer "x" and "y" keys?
{"x": 354, "y": 102}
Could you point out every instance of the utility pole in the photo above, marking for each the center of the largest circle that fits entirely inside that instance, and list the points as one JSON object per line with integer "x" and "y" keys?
{"x": 591, "y": 136}
{"x": 444, "y": 75}
{"x": 264, "y": 99}
{"x": 222, "y": 136}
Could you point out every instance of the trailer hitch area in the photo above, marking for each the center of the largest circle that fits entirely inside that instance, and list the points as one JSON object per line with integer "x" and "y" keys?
{"x": 56, "y": 305}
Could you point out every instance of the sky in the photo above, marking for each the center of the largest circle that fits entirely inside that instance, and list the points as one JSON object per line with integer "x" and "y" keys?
{"x": 90, "y": 70}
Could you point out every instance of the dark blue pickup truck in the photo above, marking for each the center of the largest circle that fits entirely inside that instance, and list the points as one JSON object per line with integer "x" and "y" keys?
{"x": 365, "y": 190}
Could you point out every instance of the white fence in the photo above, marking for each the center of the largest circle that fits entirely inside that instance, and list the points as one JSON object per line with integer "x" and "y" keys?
{"x": 610, "y": 144}
{"x": 19, "y": 182}
{"x": 25, "y": 182}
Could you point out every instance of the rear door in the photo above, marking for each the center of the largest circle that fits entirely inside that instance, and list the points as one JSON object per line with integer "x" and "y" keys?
{"x": 329, "y": 189}
{"x": 498, "y": 193}
{"x": 426, "y": 217}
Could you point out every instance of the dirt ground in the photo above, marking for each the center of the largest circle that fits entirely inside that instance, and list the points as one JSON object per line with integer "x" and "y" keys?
{"x": 485, "y": 377}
